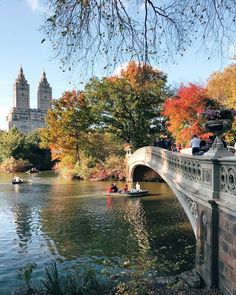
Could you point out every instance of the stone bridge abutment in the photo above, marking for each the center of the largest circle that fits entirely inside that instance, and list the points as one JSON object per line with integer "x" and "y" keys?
{"x": 206, "y": 189}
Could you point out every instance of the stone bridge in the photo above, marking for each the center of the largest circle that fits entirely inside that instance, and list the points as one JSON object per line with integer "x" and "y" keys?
{"x": 206, "y": 188}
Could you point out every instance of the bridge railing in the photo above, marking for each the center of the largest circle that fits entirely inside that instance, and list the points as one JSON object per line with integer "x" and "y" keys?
{"x": 216, "y": 178}
{"x": 227, "y": 178}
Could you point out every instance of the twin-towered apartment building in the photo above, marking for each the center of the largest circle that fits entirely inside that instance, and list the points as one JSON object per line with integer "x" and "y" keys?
{"x": 21, "y": 115}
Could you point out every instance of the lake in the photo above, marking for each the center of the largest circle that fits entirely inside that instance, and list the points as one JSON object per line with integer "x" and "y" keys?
{"x": 74, "y": 224}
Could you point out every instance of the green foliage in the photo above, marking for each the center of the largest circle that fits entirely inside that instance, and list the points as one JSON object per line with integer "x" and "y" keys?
{"x": 88, "y": 281}
{"x": 25, "y": 274}
{"x": 66, "y": 166}
{"x": 130, "y": 105}
{"x": 18, "y": 151}
{"x": 10, "y": 144}
{"x": 37, "y": 156}
{"x": 82, "y": 169}
{"x": 92, "y": 126}
{"x": 89, "y": 284}
{"x": 72, "y": 284}
{"x": 52, "y": 283}
{"x": 113, "y": 167}
{"x": 101, "y": 145}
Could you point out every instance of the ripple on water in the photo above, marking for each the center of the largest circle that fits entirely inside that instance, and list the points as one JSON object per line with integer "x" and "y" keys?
{"x": 74, "y": 224}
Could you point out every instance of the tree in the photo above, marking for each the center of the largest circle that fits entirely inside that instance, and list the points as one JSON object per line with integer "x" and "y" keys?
{"x": 82, "y": 30}
{"x": 101, "y": 145}
{"x": 38, "y": 157}
{"x": 130, "y": 104}
{"x": 183, "y": 112}
{"x": 222, "y": 86}
{"x": 67, "y": 124}
{"x": 10, "y": 143}
{"x": 21, "y": 150}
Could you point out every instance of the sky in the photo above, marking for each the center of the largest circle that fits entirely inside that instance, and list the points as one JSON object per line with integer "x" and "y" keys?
{"x": 20, "y": 45}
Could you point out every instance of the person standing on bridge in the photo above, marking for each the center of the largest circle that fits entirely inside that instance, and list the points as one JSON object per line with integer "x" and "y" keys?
{"x": 195, "y": 144}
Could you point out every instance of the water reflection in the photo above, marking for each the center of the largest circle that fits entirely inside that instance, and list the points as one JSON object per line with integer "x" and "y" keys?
{"x": 79, "y": 226}
{"x": 23, "y": 221}
{"x": 16, "y": 188}
{"x": 73, "y": 222}
{"x": 135, "y": 216}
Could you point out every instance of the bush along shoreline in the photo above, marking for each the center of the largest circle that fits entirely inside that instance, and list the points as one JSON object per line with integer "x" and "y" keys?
{"x": 88, "y": 281}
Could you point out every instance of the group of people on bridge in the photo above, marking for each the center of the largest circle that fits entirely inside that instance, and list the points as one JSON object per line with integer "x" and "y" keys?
{"x": 198, "y": 144}
{"x": 166, "y": 143}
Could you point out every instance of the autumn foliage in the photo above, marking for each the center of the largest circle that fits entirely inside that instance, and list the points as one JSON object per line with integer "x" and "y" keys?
{"x": 222, "y": 86}
{"x": 140, "y": 74}
{"x": 130, "y": 103}
{"x": 68, "y": 123}
{"x": 183, "y": 112}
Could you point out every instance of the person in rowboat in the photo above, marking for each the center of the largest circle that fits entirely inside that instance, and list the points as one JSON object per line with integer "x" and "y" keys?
{"x": 113, "y": 188}
{"x": 137, "y": 187}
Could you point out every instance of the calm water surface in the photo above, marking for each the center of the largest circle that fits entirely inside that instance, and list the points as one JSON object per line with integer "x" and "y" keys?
{"x": 73, "y": 223}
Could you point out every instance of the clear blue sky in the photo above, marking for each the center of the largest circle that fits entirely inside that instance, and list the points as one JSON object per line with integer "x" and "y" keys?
{"x": 20, "y": 21}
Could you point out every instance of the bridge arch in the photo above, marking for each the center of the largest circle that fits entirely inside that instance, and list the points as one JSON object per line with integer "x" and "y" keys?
{"x": 145, "y": 173}
{"x": 206, "y": 188}
{"x": 189, "y": 207}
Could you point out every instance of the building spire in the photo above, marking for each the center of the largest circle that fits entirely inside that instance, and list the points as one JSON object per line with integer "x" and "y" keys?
{"x": 43, "y": 77}
{"x": 21, "y": 92}
{"x": 21, "y": 76}
{"x": 44, "y": 93}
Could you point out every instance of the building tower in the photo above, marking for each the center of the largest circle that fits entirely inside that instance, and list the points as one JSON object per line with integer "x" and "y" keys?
{"x": 44, "y": 94}
{"x": 21, "y": 92}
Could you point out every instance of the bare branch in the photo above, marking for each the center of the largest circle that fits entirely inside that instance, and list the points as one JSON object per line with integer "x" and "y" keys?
{"x": 108, "y": 32}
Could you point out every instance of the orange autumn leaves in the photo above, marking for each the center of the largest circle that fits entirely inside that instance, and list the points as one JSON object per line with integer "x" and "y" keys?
{"x": 183, "y": 112}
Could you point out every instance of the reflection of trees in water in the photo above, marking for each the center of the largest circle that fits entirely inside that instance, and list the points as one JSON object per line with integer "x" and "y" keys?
{"x": 135, "y": 215}
{"x": 23, "y": 222}
{"x": 78, "y": 227}
{"x": 67, "y": 226}
{"x": 27, "y": 202}
{"x": 172, "y": 238}
{"x": 84, "y": 226}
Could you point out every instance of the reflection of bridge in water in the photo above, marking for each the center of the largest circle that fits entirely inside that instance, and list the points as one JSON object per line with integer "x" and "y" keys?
{"x": 206, "y": 188}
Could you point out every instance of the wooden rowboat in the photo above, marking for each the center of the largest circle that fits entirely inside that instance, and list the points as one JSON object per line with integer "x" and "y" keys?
{"x": 19, "y": 181}
{"x": 132, "y": 193}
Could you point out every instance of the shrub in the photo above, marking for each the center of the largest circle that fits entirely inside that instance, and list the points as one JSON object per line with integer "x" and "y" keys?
{"x": 83, "y": 168}
{"x": 13, "y": 165}
{"x": 112, "y": 168}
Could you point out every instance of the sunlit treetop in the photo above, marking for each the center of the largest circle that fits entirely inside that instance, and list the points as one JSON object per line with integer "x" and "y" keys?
{"x": 184, "y": 110}
{"x": 222, "y": 86}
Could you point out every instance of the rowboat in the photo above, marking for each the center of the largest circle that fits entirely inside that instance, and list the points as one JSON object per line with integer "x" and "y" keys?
{"x": 33, "y": 170}
{"x": 131, "y": 193}
{"x": 17, "y": 181}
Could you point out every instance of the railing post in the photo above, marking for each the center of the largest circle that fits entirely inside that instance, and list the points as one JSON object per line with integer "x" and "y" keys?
{"x": 215, "y": 178}
{"x": 214, "y": 237}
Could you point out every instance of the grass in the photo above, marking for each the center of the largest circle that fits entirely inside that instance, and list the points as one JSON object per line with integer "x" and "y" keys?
{"x": 88, "y": 283}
